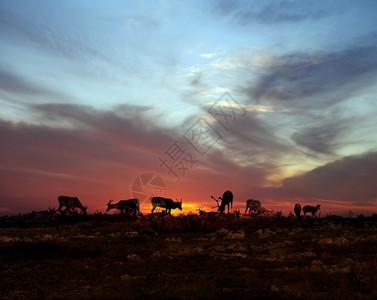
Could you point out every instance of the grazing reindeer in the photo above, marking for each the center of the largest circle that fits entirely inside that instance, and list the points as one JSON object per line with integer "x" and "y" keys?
{"x": 312, "y": 209}
{"x": 203, "y": 213}
{"x": 45, "y": 213}
{"x": 166, "y": 203}
{"x": 42, "y": 215}
{"x": 70, "y": 204}
{"x": 125, "y": 206}
{"x": 225, "y": 200}
{"x": 265, "y": 212}
{"x": 253, "y": 205}
{"x": 297, "y": 210}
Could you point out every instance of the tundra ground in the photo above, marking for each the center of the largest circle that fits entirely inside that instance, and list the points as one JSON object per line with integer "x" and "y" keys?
{"x": 188, "y": 257}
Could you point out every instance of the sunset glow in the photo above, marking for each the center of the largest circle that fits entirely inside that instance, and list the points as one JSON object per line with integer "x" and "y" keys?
{"x": 273, "y": 100}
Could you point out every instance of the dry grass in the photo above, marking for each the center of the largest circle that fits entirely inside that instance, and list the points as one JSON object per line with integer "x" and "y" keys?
{"x": 188, "y": 257}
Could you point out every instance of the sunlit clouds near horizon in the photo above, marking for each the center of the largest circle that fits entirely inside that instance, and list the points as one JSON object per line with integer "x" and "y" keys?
{"x": 94, "y": 94}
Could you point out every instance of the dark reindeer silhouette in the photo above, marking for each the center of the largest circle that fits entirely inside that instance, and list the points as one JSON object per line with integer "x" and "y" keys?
{"x": 225, "y": 200}
{"x": 125, "y": 206}
{"x": 70, "y": 204}
{"x": 42, "y": 215}
{"x": 297, "y": 210}
{"x": 312, "y": 209}
{"x": 253, "y": 205}
{"x": 166, "y": 203}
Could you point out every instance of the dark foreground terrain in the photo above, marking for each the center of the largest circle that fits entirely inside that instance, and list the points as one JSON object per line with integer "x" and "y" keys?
{"x": 188, "y": 257}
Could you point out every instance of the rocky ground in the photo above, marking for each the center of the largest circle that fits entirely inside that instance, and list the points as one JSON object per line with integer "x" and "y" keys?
{"x": 189, "y": 257}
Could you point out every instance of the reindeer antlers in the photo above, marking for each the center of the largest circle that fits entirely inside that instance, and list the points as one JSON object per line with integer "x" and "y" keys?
{"x": 109, "y": 202}
{"x": 217, "y": 202}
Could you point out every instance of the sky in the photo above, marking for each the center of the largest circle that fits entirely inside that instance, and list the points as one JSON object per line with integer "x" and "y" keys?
{"x": 273, "y": 100}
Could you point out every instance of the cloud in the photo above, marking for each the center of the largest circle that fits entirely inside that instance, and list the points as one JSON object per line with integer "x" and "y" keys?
{"x": 23, "y": 91}
{"x": 127, "y": 123}
{"x": 304, "y": 79}
{"x": 57, "y": 38}
{"x": 100, "y": 154}
{"x": 212, "y": 54}
{"x": 103, "y": 151}
{"x": 149, "y": 19}
{"x": 268, "y": 12}
{"x": 323, "y": 133}
{"x": 312, "y": 90}
{"x": 347, "y": 181}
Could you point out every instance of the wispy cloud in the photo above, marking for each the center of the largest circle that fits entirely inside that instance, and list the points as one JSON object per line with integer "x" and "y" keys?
{"x": 212, "y": 55}
{"x": 267, "y": 12}
{"x": 303, "y": 76}
{"x": 350, "y": 180}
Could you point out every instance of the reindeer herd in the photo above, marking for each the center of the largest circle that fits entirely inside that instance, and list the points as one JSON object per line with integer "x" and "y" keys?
{"x": 72, "y": 205}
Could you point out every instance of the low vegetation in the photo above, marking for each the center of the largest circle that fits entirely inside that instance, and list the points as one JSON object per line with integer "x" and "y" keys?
{"x": 102, "y": 256}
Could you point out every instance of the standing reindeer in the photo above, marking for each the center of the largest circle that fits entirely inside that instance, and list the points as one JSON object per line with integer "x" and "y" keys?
{"x": 166, "y": 203}
{"x": 297, "y": 210}
{"x": 70, "y": 204}
{"x": 125, "y": 206}
{"x": 312, "y": 209}
{"x": 225, "y": 200}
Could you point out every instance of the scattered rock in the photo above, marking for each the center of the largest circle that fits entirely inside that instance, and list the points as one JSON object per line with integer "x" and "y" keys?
{"x": 46, "y": 237}
{"x": 371, "y": 238}
{"x": 5, "y": 239}
{"x": 174, "y": 239}
{"x": 237, "y": 254}
{"x": 171, "y": 276}
{"x": 197, "y": 250}
{"x": 133, "y": 257}
{"x": 274, "y": 288}
{"x": 236, "y": 235}
{"x": 237, "y": 247}
{"x": 131, "y": 234}
{"x": 267, "y": 233}
{"x": 201, "y": 239}
{"x": 128, "y": 277}
{"x": 221, "y": 233}
{"x": 245, "y": 269}
{"x": 218, "y": 248}
{"x": 334, "y": 226}
{"x": 156, "y": 254}
{"x": 316, "y": 266}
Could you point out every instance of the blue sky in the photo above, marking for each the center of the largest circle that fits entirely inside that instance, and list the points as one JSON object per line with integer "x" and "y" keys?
{"x": 305, "y": 71}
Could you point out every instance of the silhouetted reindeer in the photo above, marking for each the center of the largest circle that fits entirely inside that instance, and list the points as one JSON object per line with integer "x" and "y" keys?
{"x": 203, "y": 213}
{"x": 166, "y": 203}
{"x": 42, "y": 215}
{"x": 265, "y": 212}
{"x": 312, "y": 209}
{"x": 297, "y": 210}
{"x": 125, "y": 206}
{"x": 253, "y": 205}
{"x": 70, "y": 204}
{"x": 225, "y": 200}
